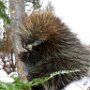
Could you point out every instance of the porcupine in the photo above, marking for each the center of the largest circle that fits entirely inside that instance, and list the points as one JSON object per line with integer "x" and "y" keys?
{"x": 51, "y": 47}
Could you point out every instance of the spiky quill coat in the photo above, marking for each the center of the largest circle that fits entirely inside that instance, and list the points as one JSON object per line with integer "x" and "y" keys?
{"x": 57, "y": 49}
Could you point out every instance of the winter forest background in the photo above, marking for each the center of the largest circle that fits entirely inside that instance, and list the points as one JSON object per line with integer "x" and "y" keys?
{"x": 11, "y": 12}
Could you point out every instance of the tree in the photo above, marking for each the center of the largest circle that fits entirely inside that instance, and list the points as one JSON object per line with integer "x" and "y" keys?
{"x": 49, "y": 6}
{"x": 3, "y": 13}
{"x": 17, "y": 10}
{"x": 35, "y": 3}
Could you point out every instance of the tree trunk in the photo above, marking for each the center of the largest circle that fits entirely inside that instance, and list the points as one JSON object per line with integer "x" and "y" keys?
{"x": 17, "y": 10}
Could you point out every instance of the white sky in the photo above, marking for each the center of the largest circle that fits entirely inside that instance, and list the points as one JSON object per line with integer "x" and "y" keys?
{"x": 76, "y": 14}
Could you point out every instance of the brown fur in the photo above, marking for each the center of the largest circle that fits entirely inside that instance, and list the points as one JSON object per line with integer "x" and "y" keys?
{"x": 59, "y": 50}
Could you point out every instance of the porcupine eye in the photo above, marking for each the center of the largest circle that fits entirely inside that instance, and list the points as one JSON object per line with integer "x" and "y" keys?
{"x": 33, "y": 44}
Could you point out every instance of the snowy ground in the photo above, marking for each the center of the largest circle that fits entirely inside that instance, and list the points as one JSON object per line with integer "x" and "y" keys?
{"x": 4, "y": 77}
{"x": 83, "y": 84}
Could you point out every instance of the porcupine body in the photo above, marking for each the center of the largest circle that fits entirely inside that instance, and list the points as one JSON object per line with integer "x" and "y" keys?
{"x": 51, "y": 47}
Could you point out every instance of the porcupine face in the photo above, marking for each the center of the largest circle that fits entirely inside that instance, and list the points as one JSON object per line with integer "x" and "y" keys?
{"x": 39, "y": 27}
